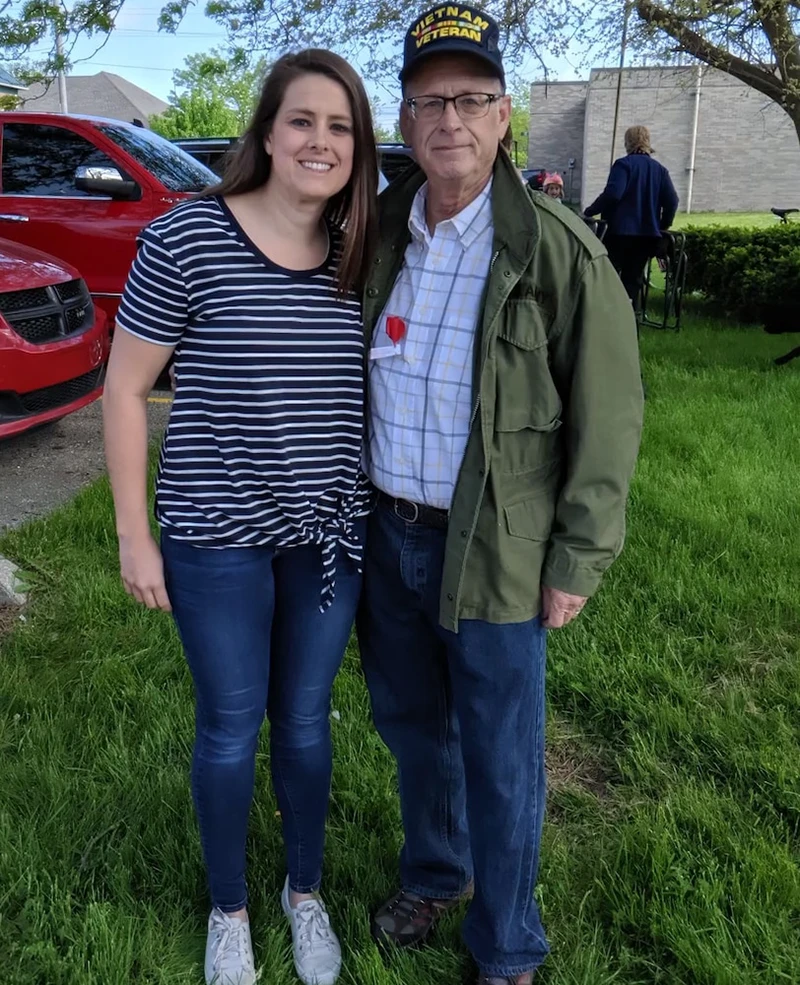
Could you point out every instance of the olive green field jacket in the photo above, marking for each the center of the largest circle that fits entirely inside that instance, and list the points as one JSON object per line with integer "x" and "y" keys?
{"x": 557, "y": 406}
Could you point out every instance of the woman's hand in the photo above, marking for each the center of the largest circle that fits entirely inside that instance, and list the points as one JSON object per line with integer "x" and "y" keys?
{"x": 142, "y": 571}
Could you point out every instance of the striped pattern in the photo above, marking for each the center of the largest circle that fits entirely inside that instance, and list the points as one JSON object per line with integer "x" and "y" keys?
{"x": 421, "y": 389}
{"x": 264, "y": 439}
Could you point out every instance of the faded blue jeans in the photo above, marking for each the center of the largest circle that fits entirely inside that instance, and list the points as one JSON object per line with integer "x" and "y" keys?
{"x": 256, "y": 643}
{"x": 464, "y": 716}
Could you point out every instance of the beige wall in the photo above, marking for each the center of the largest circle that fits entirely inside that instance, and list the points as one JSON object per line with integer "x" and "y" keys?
{"x": 747, "y": 156}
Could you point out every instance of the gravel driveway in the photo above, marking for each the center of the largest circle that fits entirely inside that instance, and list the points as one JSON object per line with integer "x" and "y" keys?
{"x": 41, "y": 469}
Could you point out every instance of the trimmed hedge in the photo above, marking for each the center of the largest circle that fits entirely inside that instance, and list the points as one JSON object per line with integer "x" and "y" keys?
{"x": 751, "y": 273}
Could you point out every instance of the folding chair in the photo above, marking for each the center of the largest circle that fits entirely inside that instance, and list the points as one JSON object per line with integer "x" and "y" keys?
{"x": 675, "y": 264}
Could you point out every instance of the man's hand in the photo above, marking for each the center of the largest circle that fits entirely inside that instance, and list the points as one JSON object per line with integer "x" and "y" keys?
{"x": 559, "y": 608}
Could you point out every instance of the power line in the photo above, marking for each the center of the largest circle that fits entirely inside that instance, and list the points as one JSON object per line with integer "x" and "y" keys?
{"x": 166, "y": 34}
{"x": 138, "y": 68}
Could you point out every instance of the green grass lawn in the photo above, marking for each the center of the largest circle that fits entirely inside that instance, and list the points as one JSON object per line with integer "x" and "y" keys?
{"x": 671, "y": 852}
{"x": 758, "y": 220}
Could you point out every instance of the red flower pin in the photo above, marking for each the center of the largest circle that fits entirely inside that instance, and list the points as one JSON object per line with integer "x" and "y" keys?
{"x": 395, "y": 328}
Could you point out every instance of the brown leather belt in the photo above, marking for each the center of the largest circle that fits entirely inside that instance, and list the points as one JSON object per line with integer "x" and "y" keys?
{"x": 426, "y": 516}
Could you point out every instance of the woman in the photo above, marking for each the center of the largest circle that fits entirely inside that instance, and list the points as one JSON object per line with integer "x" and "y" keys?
{"x": 639, "y": 204}
{"x": 259, "y": 496}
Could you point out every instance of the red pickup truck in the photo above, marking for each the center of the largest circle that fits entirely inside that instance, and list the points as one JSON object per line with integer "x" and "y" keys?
{"x": 81, "y": 188}
{"x": 53, "y": 341}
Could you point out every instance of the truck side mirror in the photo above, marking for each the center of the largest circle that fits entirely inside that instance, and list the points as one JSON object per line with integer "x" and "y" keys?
{"x": 105, "y": 181}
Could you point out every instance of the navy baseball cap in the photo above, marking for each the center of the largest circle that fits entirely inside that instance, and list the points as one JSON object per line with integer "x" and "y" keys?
{"x": 463, "y": 29}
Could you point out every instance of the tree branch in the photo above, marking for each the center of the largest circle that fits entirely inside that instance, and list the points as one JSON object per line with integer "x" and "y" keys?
{"x": 784, "y": 42}
{"x": 767, "y": 83}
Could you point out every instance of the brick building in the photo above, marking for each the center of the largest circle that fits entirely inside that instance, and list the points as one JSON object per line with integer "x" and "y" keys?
{"x": 746, "y": 152}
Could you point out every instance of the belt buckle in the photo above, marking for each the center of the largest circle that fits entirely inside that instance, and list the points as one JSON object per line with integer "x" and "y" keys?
{"x": 398, "y": 503}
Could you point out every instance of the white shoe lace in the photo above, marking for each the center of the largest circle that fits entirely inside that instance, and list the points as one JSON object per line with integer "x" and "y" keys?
{"x": 233, "y": 954}
{"x": 313, "y": 928}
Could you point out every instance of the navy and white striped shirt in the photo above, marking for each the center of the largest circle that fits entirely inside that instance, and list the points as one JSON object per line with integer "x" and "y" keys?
{"x": 264, "y": 440}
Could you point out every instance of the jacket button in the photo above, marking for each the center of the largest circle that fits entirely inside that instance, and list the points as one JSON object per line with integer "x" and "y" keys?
{"x": 449, "y": 598}
{"x": 506, "y": 273}
{"x": 465, "y": 533}
{"x": 377, "y": 261}
{"x": 372, "y": 292}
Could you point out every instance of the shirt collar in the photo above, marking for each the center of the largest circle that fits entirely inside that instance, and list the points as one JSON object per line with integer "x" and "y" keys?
{"x": 469, "y": 223}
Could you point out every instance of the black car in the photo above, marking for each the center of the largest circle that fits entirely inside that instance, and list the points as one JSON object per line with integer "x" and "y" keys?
{"x": 394, "y": 159}
{"x": 212, "y": 151}
{"x": 529, "y": 173}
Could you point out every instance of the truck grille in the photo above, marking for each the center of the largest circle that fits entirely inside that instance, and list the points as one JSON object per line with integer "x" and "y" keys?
{"x": 49, "y": 314}
{"x": 21, "y": 300}
{"x": 60, "y": 394}
{"x": 38, "y": 330}
{"x": 71, "y": 290}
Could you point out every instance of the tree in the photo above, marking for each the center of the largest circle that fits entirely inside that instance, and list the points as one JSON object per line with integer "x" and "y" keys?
{"x": 25, "y": 24}
{"x": 385, "y": 134}
{"x": 213, "y": 95}
{"x": 520, "y": 122}
{"x": 371, "y": 34}
{"x": 755, "y": 41}
{"x": 196, "y": 115}
{"x": 233, "y": 78}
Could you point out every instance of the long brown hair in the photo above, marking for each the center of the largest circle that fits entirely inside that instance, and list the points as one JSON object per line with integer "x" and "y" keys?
{"x": 354, "y": 209}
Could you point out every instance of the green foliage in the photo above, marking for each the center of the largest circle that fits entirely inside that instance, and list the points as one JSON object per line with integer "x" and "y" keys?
{"x": 230, "y": 77}
{"x": 753, "y": 273}
{"x": 196, "y": 116}
{"x": 386, "y": 134}
{"x": 520, "y": 123}
{"x": 747, "y": 220}
{"x": 213, "y": 95}
{"x": 26, "y": 25}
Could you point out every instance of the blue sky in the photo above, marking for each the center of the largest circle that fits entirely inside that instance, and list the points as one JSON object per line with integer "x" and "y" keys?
{"x": 141, "y": 53}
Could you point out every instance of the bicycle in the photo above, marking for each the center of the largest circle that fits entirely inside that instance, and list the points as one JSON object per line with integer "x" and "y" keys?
{"x": 783, "y": 215}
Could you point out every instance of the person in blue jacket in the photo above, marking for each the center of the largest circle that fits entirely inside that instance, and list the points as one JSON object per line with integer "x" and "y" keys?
{"x": 639, "y": 204}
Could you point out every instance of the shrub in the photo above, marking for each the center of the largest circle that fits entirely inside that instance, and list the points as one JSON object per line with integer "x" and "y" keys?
{"x": 752, "y": 273}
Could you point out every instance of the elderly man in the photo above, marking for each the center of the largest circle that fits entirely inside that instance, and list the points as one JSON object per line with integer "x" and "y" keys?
{"x": 505, "y": 408}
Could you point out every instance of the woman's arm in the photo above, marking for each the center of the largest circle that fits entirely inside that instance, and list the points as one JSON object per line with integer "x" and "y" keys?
{"x": 133, "y": 369}
{"x": 615, "y": 188}
{"x": 151, "y": 320}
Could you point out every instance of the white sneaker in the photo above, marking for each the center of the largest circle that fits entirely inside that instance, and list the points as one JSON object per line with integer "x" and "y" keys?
{"x": 229, "y": 951}
{"x": 317, "y": 954}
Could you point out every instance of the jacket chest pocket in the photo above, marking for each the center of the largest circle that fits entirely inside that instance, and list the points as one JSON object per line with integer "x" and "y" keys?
{"x": 527, "y": 398}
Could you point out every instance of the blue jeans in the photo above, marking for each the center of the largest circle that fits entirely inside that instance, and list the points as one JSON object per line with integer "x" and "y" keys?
{"x": 256, "y": 642}
{"x": 464, "y": 715}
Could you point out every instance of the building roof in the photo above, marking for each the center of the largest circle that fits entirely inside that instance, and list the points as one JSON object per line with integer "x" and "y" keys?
{"x": 104, "y": 94}
{"x": 8, "y": 81}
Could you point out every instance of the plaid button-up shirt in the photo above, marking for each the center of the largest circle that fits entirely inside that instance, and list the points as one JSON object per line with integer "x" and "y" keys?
{"x": 421, "y": 386}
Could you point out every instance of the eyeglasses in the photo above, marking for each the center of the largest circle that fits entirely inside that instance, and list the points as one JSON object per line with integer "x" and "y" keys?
{"x": 469, "y": 105}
